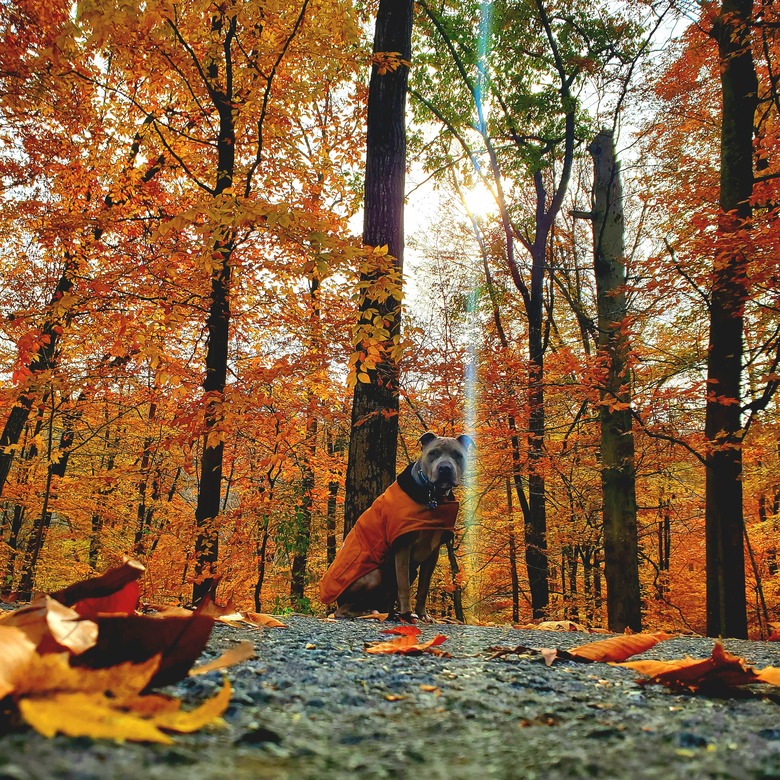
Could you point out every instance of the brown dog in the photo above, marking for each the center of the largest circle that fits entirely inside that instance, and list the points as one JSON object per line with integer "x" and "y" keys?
{"x": 399, "y": 535}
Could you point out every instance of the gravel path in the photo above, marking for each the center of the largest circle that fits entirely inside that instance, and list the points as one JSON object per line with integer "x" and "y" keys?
{"x": 313, "y": 706}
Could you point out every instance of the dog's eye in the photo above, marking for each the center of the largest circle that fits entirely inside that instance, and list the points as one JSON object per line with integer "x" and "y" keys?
{"x": 435, "y": 453}
{"x": 458, "y": 456}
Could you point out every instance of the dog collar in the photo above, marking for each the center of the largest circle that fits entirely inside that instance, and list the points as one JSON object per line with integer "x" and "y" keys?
{"x": 424, "y": 482}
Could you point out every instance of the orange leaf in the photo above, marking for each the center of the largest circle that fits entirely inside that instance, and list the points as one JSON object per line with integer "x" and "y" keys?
{"x": 407, "y": 630}
{"x": 235, "y": 655}
{"x": 721, "y": 669}
{"x": 770, "y": 674}
{"x": 406, "y": 644}
{"x": 620, "y": 647}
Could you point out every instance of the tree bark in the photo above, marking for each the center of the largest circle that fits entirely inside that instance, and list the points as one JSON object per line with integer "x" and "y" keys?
{"x": 618, "y": 471}
{"x": 371, "y": 463}
{"x": 724, "y": 520}
{"x": 217, "y": 328}
{"x": 513, "y": 554}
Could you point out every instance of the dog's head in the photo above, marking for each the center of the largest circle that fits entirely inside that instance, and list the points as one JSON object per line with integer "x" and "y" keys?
{"x": 443, "y": 460}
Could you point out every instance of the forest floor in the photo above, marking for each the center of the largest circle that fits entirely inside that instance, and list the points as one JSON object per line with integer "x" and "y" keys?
{"x": 314, "y": 705}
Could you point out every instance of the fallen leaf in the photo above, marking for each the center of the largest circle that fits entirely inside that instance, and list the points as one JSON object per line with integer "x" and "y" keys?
{"x": 17, "y": 650}
{"x": 549, "y": 654}
{"x": 769, "y": 674}
{"x": 405, "y": 630}
{"x": 720, "y": 670}
{"x": 260, "y": 619}
{"x": 620, "y": 647}
{"x": 380, "y": 616}
{"x": 52, "y": 626}
{"x": 406, "y": 644}
{"x": 552, "y": 625}
{"x": 394, "y": 697}
{"x": 52, "y": 673}
{"x": 88, "y": 715}
{"x": 178, "y": 635}
{"x": 185, "y": 722}
{"x": 115, "y": 591}
{"x": 243, "y": 651}
{"x": 429, "y": 688}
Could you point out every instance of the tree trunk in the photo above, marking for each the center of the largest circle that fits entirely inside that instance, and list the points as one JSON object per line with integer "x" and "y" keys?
{"x": 371, "y": 461}
{"x": 303, "y": 529}
{"x": 618, "y": 472}
{"x": 334, "y": 446}
{"x": 217, "y": 328}
{"x": 724, "y": 520}
{"x": 513, "y": 554}
{"x": 143, "y": 512}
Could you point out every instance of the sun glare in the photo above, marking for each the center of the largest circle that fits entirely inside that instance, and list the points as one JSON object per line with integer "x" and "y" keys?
{"x": 479, "y": 200}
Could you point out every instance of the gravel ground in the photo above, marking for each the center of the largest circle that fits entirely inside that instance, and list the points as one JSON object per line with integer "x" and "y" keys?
{"x": 313, "y": 705}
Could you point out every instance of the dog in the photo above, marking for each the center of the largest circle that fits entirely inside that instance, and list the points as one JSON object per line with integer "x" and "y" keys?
{"x": 399, "y": 535}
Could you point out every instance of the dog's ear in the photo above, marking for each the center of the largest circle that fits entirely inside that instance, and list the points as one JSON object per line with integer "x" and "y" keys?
{"x": 466, "y": 441}
{"x": 427, "y": 437}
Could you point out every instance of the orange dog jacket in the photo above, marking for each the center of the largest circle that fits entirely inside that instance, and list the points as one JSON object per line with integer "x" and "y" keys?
{"x": 368, "y": 544}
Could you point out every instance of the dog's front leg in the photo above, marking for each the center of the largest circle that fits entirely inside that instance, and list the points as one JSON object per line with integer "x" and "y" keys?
{"x": 424, "y": 584}
{"x": 402, "y": 556}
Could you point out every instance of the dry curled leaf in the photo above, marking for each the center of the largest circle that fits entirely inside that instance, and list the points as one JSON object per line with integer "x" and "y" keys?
{"x": 115, "y": 591}
{"x": 552, "y": 625}
{"x": 406, "y": 643}
{"x": 620, "y": 647}
{"x": 721, "y": 670}
{"x": 95, "y": 715}
{"x": 52, "y": 626}
{"x": 243, "y": 651}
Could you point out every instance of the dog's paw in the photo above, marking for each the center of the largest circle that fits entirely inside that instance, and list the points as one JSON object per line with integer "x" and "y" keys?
{"x": 403, "y": 617}
{"x": 424, "y": 617}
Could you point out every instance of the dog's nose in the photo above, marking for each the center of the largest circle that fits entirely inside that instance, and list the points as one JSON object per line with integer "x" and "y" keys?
{"x": 446, "y": 473}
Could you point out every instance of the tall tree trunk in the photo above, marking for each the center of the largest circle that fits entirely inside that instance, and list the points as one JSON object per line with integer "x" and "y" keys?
{"x": 374, "y": 427}
{"x": 724, "y": 520}
{"x": 618, "y": 472}
{"x": 217, "y": 328}
{"x": 513, "y": 554}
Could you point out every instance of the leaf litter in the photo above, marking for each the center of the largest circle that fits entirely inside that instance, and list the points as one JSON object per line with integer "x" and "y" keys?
{"x": 82, "y": 661}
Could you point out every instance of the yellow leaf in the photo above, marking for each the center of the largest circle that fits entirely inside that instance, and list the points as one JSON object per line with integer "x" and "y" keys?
{"x": 88, "y": 715}
{"x": 52, "y": 672}
{"x": 187, "y": 722}
{"x": 364, "y": 378}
